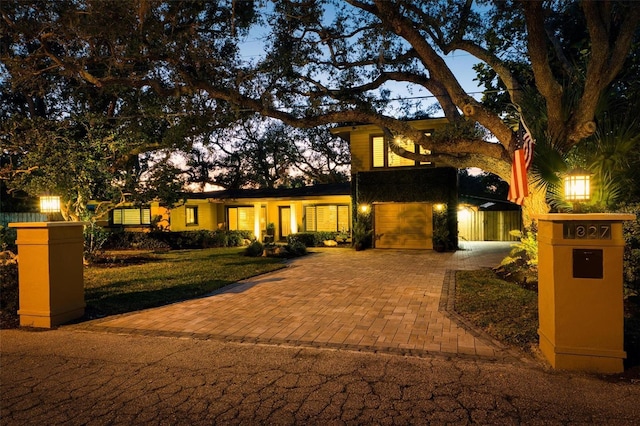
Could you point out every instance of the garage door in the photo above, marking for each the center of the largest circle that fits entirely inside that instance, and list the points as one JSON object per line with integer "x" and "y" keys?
{"x": 400, "y": 225}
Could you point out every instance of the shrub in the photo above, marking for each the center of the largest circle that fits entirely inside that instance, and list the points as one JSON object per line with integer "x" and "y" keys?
{"x": 631, "y": 259}
{"x": 254, "y": 249}
{"x": 124, "y": 240}
{"x": 521, "y": 265}
{"x": 8, "y": 290}
{"x": 94, "y": 239}
{"x": 311, "y": 239}
{"x": 8, "y": 238}
{"x": 235, "y": 238}
{"x": 296, "y": 249}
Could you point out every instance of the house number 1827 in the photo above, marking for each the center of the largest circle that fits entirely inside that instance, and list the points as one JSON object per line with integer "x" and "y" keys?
{"x": 586, "y": 231}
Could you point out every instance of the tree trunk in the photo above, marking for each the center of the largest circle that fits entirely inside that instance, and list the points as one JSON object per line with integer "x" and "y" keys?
{"x": 534, "y": 204}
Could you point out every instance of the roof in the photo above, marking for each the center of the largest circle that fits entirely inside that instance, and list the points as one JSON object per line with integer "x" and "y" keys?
{"x": 302, "y": 192}
{"x": 487, "y": 203}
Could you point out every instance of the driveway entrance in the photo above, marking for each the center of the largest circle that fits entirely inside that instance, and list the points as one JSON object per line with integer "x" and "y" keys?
{"x": 380, "y": 300}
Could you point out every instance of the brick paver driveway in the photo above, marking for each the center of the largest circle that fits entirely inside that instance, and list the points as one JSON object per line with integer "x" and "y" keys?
{"x": 381, "y": 300}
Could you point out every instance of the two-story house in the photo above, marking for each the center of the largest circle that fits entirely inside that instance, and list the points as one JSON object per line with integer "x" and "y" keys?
{"x": 399, "y": 194}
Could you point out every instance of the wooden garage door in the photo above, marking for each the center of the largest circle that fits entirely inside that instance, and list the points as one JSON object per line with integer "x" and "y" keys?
{"x": 400, "y": 225}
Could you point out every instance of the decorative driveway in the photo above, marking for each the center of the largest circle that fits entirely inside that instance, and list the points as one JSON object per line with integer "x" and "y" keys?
{"x": 373, "y": 300}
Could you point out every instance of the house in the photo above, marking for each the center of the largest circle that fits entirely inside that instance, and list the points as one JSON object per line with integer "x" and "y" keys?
{"x": 313, "y": 208}
{"x": 399, "y": 196}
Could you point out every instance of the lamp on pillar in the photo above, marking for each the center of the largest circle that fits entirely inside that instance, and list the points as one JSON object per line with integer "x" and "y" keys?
{"x": 577, "y": 187}
{"x": 50, "y": 205}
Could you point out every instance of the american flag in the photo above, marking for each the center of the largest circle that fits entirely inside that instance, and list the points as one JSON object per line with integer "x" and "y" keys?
{"x": 522, "y": 157}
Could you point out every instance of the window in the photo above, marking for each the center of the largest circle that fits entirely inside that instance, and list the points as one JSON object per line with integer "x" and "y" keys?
{"x": 191, "y": 215}
{"x": 384, "y": 157}
{"x": 241, "y": 218}
{"x": 131, "y": 216}
{"x": 331, "y": 218}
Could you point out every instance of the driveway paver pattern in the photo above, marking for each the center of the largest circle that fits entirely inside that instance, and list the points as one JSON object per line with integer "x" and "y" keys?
{"x": 378, "y": 300}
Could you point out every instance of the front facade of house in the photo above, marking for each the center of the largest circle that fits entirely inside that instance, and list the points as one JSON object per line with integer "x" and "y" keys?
{"x": 397, "y": 195}
{"x": 290, "y": 210}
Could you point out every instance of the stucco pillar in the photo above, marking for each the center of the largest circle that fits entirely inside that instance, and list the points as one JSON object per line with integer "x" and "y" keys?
{"x": 257, "y": 229}
{"x": 580, "y": 291}
{"x": 294, "y": 218}
{"x": 50, "y": 272}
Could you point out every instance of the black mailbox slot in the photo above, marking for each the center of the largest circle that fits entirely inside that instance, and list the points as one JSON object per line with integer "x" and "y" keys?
{"x": 587, "y": 263}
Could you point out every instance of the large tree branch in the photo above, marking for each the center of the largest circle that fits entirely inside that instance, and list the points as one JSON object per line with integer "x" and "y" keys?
{"x": 440, "y": 72}
{"x": 505, "y": 74}
{"x": 546, "y": 83}
{"x": 608, "y": 54}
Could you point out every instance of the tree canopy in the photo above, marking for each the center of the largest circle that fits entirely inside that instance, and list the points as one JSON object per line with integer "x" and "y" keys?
{"x": 180, "y": 65}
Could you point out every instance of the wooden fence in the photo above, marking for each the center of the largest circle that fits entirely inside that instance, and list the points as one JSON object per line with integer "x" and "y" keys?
{"x": 6, "y": 218}
{"x": 488, "y": 225}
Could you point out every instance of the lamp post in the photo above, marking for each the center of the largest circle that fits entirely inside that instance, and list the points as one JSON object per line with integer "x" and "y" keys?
{"x": 50, "y": 205}
{"x": 577, "y": 187}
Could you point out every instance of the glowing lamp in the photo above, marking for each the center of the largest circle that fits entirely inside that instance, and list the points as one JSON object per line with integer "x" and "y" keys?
{"x": 364, "y": 208}
{"x": 438, "y": 207}
{"x": 49, "y": 204}
{"x": 577, "y": 186}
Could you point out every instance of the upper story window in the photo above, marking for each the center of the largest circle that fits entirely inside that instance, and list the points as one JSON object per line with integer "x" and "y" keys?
{"x": 131, "y": 216}
{"x": 191, "y": 215}
{"x": 384, "y": 157}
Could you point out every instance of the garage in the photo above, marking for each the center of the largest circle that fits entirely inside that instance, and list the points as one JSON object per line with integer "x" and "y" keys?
{"x": 403, "y": 225}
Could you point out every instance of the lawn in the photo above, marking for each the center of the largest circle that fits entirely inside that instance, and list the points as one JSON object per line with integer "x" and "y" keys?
{"x": 503, "y": 309}
{"x": 125, "y": 282}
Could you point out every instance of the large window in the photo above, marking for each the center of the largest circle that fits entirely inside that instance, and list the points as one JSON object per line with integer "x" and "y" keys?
{"x": 331, "y": 218}
{"x": 383, "y": 156}
{"x": 243, "y": 218}
{"x": 131, "y": 216}
{"x": 191, "y": 214}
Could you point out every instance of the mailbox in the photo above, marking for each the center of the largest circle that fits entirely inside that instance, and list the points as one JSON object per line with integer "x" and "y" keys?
{"x": 587, "y": 263}
{"x": 580, "y": 295}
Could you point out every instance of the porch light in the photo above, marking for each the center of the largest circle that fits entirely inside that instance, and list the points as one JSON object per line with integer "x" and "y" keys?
{"x": 49, "y": 204}
{"x": 364, "y": 208}
{"x": 438, "y": 207}
{"x": 577, "y": 186}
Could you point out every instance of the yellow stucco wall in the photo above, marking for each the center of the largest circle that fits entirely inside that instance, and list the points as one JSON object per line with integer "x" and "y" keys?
{"x": 207, "y": 216}
{"x": 50, "y": 272}
{"x": 360, "y": 140}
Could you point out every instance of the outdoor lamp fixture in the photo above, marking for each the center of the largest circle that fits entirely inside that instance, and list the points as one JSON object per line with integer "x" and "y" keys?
{"x": 439, "y": 207}
{"x": 364, "y": 208}
{"x": 49, "y": 204}
{"x": 577, "y": 187}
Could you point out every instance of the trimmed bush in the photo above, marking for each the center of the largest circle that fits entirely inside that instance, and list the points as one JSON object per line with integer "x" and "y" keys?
{"x": 159, "y": 240}
{"x": 254, "y": 249}
{"x": 311, "y": 239}
{"x": 296, "y": 249}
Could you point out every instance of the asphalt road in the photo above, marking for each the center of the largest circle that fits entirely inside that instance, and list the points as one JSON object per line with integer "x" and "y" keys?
{"x": 75, "y": 377}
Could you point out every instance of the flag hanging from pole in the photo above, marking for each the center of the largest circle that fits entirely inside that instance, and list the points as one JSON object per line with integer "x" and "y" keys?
{"x": 522, "y": 158}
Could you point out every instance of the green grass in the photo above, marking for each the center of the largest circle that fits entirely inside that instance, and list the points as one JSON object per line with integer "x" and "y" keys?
{"x": 162, "y": 278}
{"x": 503, "y": 309}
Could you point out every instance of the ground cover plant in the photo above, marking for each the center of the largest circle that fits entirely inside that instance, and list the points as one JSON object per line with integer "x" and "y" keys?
{"x": 503, "y": 309}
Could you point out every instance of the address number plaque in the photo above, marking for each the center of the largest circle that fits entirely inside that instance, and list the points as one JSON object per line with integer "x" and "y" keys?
{"x": 586, "y": 231}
